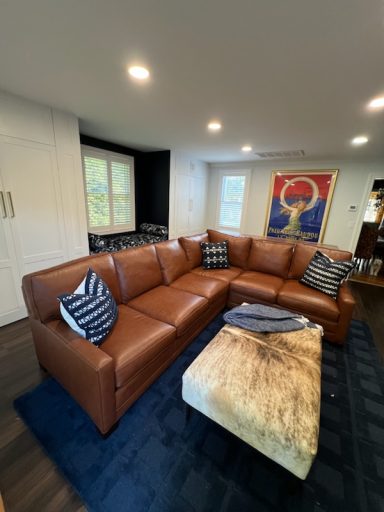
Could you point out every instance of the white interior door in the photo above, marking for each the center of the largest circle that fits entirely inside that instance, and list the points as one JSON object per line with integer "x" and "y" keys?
{"x": 182, "y": 204}
{"x": 32, "y": 198}
{"x": 11, "y": 301}
{"x": 197, "y": 200}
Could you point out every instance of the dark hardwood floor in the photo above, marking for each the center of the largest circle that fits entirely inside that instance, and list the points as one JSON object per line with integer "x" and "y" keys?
{"x": 370, "y": 309}
{"x": 29, "y": 481}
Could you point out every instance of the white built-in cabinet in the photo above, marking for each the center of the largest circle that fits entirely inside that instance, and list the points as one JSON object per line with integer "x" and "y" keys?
{"x": 42, "y": 206}
{"x": 188, "y": 196}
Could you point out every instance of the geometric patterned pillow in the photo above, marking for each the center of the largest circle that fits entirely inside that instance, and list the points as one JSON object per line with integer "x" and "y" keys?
{"x": 90, "y": 310}
{"x": 325, "y": 274}
{"x": 215, "y": 255}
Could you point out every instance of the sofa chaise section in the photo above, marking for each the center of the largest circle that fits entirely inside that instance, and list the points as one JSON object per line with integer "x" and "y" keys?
{"x": 268, "y": 271}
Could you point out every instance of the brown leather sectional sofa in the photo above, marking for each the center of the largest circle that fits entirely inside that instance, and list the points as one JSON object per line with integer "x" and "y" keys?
{"x": 165, "y": 298}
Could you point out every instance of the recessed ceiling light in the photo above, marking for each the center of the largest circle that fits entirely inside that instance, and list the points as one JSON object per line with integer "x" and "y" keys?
{"x": 376, "y": 103}
{"x": 247, "y": 148}
{"x": 138, "y": 72}
{"x": 358, "y": 141}
{"x": 214, "y": 126}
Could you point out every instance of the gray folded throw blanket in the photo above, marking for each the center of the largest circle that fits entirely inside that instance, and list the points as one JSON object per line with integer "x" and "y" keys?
{"x": 260, "y": 318}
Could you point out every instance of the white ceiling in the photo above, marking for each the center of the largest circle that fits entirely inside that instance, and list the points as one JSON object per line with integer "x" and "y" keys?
{"x": 280, "y": 74}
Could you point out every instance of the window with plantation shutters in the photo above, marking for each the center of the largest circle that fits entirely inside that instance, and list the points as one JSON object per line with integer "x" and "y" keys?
{"x": 231, "y": 201}
{"x": 109, "y": 191}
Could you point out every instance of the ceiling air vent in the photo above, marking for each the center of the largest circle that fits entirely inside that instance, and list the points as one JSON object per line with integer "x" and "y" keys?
{"x": 296, "y": 153}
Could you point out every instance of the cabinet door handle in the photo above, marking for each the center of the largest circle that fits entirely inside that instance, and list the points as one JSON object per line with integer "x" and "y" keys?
{"x": 3, "y": 205}
{"x": 11, "y": 204}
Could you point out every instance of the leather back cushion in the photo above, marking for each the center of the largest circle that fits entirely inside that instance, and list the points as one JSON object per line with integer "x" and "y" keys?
{"x": 270, "y": 257}
{"x": 238, "y": 247}
{"x": 192, "y": 248}
{"x": 173, "y": 260}
{"x": 138, "y": 271}
{"x": 48, "y": 284}
{"x": 304, "y": 253}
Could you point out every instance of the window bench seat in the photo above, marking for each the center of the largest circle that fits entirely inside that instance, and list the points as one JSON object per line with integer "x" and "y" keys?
{"x": 147, "y": 234}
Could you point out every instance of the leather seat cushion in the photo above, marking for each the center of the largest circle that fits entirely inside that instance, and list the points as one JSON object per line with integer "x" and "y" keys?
{"x": 258, "y": 286}
{"x": 203, "y": 286}
{"x": 297, "y": 296}
{"x": 135, "y": 341}
{"x": 224, "y": 274}
{"x": 170, "y": 305}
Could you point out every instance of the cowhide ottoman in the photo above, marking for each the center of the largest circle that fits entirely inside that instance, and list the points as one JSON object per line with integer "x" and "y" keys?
{"x": 264, "y": 388}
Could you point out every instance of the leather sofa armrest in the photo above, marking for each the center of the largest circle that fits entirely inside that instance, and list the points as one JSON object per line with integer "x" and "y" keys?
{"x": 346, "y": 304}
{"x": 345, "y": 296}
{"x": 85, "y": 371}
{"x": 90, "y": 355}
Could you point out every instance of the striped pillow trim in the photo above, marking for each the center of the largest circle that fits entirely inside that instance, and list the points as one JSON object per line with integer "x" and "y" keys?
{"x": 325, "y": 274}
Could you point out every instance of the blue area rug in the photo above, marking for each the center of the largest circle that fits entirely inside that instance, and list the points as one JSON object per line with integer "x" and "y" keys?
{"x": 155, "y": 462}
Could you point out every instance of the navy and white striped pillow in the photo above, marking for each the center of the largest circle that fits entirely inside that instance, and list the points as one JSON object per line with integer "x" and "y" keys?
{"x": 90, "y": 310}
{"x": 325, "y": 274}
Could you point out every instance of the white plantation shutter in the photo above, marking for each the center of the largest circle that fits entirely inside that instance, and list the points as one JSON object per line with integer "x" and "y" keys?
{"x": 109, "y": 190}
{"x": 231, "y": 201}
{"x": 97, "y": 191}
{"x": 121, "y": 193}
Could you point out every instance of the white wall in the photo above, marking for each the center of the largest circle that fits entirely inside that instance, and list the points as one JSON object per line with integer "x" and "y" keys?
{"x": 353, "y": 185}
{"x": 187, "y": 195}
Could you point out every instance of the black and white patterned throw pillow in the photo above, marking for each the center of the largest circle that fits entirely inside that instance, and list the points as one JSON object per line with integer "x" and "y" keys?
{"x": 215, "y": 255}
{"x": 325, "y": 274}
{"x": 90, "y": 310}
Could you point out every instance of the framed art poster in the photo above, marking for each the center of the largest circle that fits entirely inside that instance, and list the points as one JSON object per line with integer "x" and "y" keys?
{"x": 299, "y": 203}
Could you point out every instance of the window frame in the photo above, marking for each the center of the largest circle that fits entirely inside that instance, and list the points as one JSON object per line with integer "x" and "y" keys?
{"x": 222, "y": 174}
{"x": 110, "y": 156}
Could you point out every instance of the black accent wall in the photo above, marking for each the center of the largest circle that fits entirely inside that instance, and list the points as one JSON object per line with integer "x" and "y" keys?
{"x": 152, "y": 174}
{"x": 108, "y": 146}
{"x": 152, "y": 187}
